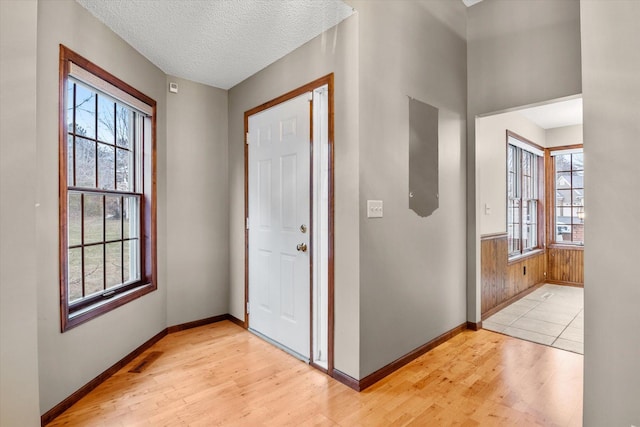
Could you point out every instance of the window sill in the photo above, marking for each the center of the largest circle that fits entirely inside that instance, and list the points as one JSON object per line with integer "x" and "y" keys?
{"x": 99, "y": 308}
{"x": 575, "y": 247}
{"x": 524, "y": 256}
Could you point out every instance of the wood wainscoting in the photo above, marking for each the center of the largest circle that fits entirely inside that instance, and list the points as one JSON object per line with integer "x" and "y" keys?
{"x": 493, "y": 262}
{"x": 566, "y": 265}
{"x": 502, "y": 280}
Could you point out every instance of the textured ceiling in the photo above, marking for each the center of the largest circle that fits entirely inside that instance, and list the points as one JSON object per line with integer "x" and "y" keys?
{"x": 217, "y": 42}
{"x": 557, "y": 114}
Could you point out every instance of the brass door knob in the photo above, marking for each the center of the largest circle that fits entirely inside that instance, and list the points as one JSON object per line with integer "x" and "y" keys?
{"x": 302, "y": 247}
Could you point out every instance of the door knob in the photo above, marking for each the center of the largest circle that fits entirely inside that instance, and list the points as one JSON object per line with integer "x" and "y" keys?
{"x": 302, "y": 247}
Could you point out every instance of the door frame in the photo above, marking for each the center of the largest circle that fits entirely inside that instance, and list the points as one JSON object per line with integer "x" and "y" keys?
{"x": 309, "y": 87}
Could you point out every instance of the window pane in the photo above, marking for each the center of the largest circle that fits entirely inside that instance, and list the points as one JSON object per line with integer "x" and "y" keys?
{"x": 563, "y": 162}
{"x": 533, "y": 230}
{"x": 511, "y": 185}
{"x": 93, "y": 217}
{"x": 124, "y": 171}
{"x": 531, "y": 209}
{"x": 93, "y": 269}
{"x": 126, "y": 270}
{"x": 85, "y": 112}
{"x": 578, "y": 197}
{"x": 74, "y": 271}
{"x": 74, "y": 223}
{"x": 85, "y": 163}
{"x": 577, "y": 233}
{"x": 70, "y": 165}
{"x": 577, "y": 161}
{"x": 529, "y": 236}
{"x": 131, "y": 260}
{"x": 563, "y": 180}
{"x": 69, "y": 110}
{"x": 124, "y": 123}
{"x": 514, "y": 245}
{"x": 563, "y": 198}
{"x": 511, "y": 159}
{"x": 126, "y": 218}
{"x": 130, "y": 217}
{"x": 113, "y": 217}
{"x": 522, "y": 199}
{"x": 510, "y": 211}
{"x": 510, "y": 237}
{"x": 578, "y": 179}
{"x": 563, "y": 233}
{"x": 106, "y": 120}
{"x": 113, "y": 264}
{"x": 106, "y": 169}
{"x": 563, "y": 215}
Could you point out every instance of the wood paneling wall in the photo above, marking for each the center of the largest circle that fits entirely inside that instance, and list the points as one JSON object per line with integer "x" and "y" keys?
{"x": 503, "y": 280}
{"x": 525, "y": 273}
{"x": 493, "y": 260}
{"x": 566, "y": 265}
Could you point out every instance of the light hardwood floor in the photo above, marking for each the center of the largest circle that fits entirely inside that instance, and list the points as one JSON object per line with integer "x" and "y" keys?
{"x": 220, "y": 375}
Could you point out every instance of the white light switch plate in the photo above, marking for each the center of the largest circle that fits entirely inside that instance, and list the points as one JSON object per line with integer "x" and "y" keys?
{"x": 374, "y": 208}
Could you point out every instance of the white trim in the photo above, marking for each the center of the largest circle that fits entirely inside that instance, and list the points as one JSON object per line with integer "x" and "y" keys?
{"x": 567, "y": 151}
{"x": 526, "y": 147}
{"x": 320, "y": 179}
{"x": 96, "y": 82}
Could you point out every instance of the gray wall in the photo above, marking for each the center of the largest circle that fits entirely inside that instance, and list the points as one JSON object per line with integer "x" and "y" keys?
{"x": 18, "y": 303}
{"x": 333, "y": 51}
{"x": 522, "y": 52}
{"x": 518, "y": 53}
{"x": 70, "y": 360}
{"x": 197, "y": 210}
{"x": 412, "y": 269}
{"x": 611, "y": 90}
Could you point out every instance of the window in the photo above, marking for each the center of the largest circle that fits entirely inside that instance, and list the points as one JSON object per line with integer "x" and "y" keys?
{"x": 524, "y": 207}
{"x": 569, "y": 196}
{"x": 107, "y": 194}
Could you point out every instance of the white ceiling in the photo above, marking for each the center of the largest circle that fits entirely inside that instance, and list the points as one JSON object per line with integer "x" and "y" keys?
{"x": 217, "y": 42}
{"x": 557, "y": 114}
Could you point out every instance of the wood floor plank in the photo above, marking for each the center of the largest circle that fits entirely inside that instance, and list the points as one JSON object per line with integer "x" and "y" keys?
{"x": 220, "y": 374}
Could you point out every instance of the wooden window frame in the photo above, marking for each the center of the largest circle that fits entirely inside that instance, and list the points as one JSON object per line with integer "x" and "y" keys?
{"x": 540, "y": 201}
{"x": 74, "y": 314}
{"x": 551, "y": 196}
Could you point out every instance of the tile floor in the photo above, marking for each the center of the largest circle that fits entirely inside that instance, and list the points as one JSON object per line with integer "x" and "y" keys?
{"x": 552, "y": 315}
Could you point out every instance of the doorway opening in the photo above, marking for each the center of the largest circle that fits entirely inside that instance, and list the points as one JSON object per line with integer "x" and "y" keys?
{"x": 532, "y": 217}
{"x": 289, "y": 218}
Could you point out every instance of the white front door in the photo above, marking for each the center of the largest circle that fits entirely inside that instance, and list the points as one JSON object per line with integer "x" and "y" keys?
{"x": 279, "y": 228}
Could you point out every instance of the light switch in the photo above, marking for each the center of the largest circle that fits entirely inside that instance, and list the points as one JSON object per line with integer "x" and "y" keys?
{"x": 487, "y": 209}
{"x": 374, "y": 208}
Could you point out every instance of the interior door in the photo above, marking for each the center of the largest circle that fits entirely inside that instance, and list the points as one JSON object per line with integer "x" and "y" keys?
{"x": 279, "y": 229}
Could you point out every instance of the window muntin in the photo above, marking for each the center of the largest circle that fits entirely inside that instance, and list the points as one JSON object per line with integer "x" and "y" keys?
{"x": 523, "y": 203}
{"x": 103, "y": 221}
{"x": 107, "y": 194}
{"x": 569, "y": 196}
